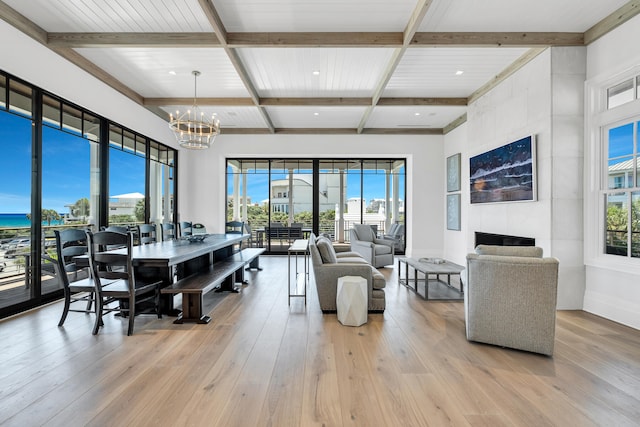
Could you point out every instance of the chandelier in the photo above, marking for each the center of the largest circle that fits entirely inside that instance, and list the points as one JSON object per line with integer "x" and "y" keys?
{"x": 192, "y": 129}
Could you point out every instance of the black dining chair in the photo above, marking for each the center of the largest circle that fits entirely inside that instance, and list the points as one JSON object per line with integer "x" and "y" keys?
{"x": 146, "y": 234}
{"x": 75, "y": 280}
{"x": 168, "y": 231}
{"x": 114, "y": 278}
{"x": 186, "y": 228}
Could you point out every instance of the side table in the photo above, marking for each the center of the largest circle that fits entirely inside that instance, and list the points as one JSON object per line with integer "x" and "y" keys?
{"x": 298, "y": 247}
{"x": 351, "y": 300}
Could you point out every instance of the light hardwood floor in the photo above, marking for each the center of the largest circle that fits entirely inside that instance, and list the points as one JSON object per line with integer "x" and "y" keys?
{"x": 262, "y": 363}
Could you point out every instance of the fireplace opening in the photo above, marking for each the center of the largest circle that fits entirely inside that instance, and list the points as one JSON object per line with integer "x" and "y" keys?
{"x": 503, "y": 240}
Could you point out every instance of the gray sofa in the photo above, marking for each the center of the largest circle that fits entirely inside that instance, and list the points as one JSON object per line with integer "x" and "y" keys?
{"x": 328, "y": 266}
{"x": 510, "y": 295}
{"x": 377, "y": 252}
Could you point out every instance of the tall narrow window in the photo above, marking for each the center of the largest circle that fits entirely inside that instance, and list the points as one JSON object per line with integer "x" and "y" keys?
{"x": 622, "y": 199}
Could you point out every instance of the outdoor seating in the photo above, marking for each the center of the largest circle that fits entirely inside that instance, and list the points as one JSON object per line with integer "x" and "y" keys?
{"x": 115, "y": 281}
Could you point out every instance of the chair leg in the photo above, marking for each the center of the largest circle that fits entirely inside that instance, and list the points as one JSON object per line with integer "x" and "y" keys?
{"x": 92, "y": 297}
{"x": 98, "y": 322}
{"x": 65, "y": 310}
{"x": 132, "y": 313}
{"x": 157, "y": 302}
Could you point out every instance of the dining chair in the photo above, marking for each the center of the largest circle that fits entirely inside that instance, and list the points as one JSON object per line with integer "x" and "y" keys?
{"x": 71, "y": 243}
{"x": 146, "y": 234}
{"x": 168, "y": 231}
{"x": 186, "y": 228}
{"x": 114, "y": 279}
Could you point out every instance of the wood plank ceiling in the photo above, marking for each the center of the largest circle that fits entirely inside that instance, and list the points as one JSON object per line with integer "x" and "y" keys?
{"x": 318, "y": 66}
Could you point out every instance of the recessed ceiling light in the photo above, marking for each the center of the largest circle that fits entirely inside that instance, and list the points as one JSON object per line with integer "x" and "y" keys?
{"x": 173, "y": 73}
{"x": 416, "y": 114}
{"x": 316, "y": 72}
{"x": 316, "y": 114}
{"x": 459, "y": 73}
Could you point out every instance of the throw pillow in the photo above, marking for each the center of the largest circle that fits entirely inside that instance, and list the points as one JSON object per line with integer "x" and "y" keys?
{"x": 327, "y": 253}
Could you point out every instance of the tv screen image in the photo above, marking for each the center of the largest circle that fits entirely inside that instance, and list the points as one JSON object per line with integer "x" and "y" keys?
{"x": 504, "y": 174}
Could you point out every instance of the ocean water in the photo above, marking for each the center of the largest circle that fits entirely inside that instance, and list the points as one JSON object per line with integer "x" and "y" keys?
{"x": 19, "y": 220}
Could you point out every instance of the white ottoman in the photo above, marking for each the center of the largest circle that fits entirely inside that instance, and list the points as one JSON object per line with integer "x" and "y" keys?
{"x": 351, "y": 300}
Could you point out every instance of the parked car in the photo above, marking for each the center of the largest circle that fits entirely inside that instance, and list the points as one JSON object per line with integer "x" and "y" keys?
{"x": 17, "y": 246}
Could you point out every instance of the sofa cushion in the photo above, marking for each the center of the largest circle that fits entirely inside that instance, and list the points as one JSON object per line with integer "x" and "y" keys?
{"x": 327, "y": 253}
{"x": 527, "y": 251}
{"x": 352, "y": 260}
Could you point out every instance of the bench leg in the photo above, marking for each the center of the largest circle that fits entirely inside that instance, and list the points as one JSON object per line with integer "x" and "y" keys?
{"x": 192, "y": 310}
{"x": 255, "y": 263}
{"x": 228, "y": 285}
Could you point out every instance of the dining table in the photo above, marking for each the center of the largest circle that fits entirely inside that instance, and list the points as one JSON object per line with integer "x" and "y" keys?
{"x": 172, "y": 260}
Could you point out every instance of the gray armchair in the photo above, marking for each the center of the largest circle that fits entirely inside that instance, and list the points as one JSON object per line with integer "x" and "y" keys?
{"x": 377, "y": 252}
{"x": 510, "y": 298}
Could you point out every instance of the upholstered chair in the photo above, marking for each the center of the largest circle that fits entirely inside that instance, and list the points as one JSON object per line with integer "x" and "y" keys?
{"x": 378, "y": 252}
{"x": 510, "y": 298}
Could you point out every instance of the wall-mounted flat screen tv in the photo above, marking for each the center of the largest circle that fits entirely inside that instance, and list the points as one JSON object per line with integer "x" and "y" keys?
{"x": 504, "y": 174}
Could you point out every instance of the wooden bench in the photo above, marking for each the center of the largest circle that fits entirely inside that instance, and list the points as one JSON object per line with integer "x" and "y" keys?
{"x": 249, "y": 256}
{"x": 195, "y": 286}
{"x": 223, "y": 273}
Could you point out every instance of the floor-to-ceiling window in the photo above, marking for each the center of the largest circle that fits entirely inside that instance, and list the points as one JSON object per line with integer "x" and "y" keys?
{"x": 53, "y": 155}
{"x": 15, "y": 192}
{"x": 327, "y": 196}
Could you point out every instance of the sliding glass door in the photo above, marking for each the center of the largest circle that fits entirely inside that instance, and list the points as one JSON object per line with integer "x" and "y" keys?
{"x": 285, "y": 199}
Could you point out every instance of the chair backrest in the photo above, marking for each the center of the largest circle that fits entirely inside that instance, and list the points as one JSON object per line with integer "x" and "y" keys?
{"x": 392, "y": 230}
{"x": 234, "y": 227}
{"x": 198, "y": 229}
{"x": 69, "y": 244}
{"x": 275, "y": 224}
{"x": 107, "y": 265}
{"x": 146, "y": 233}
{"x": 364, "y": 232}
{"x": 185, "y": 228}
{"x": 168, "y": 231}
{"x": 116, "y": 228}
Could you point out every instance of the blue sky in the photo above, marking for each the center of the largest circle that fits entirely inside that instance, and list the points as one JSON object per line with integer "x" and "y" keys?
{"x": 66, "y": 170}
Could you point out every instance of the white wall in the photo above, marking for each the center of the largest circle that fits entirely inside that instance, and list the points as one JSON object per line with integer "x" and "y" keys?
{"x": 202, "y": 175}
{"x": 456, "y": 244}
{"x": 545, "y": 99}
{"x": 612, "y": 285}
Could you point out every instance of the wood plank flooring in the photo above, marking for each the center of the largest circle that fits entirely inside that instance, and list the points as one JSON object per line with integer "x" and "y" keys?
{"x": 262, "y": 363}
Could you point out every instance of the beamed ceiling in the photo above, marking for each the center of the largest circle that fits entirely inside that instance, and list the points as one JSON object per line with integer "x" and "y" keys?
{"x": 313, "y": 66}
